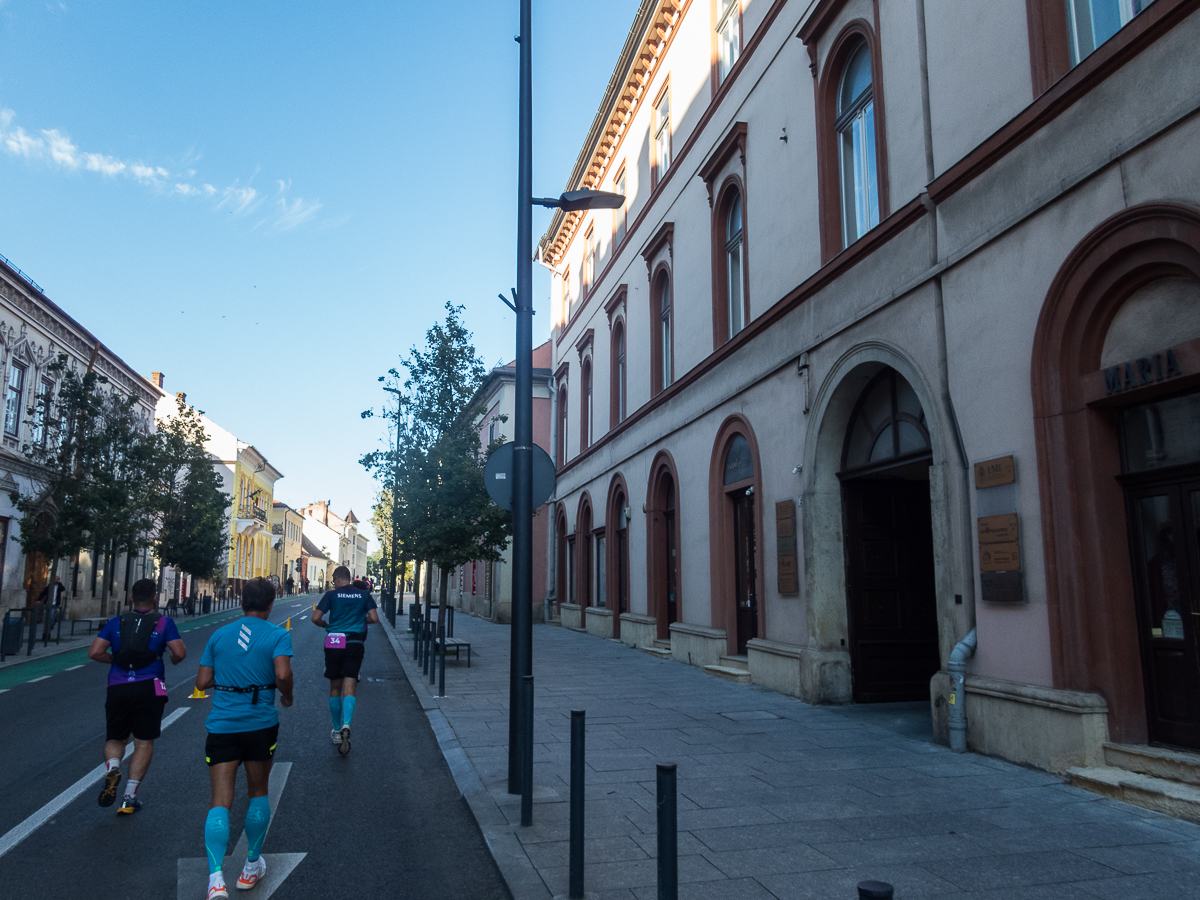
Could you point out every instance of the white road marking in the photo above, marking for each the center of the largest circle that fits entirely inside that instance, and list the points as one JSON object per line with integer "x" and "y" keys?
{"x": 73, "y": 668}
{"x": 32, "y": 680}
{"x": 55, "y": 806}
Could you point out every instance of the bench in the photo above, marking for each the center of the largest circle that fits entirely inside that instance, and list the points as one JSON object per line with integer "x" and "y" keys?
{"x": 456, "y": 645}
{"x": 94, "y": 624}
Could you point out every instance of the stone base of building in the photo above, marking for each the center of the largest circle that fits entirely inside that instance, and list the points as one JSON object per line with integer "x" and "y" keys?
{"x": 815, "y": 676}
{"x": 1037, "y": 726}
{"x": 697, "y": 645}
{"x": 638, "y": 631}
{"x": 571, "y": 615}
{"x": 599, "y": 622}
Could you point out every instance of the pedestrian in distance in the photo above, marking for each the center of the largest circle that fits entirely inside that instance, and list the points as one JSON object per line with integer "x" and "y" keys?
{"x": 52, "y": 595}
{"x": 132, "y": 644}
{"x": 350, "y": 610}
{"x": 245, "y": 662}
{"x": 291, "y": 585}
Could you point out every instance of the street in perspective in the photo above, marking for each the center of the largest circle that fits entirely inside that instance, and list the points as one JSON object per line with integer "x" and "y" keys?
{"x": 808, "y": 509}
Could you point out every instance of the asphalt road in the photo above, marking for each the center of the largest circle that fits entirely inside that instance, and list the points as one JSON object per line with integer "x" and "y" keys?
{"x": 385, "y": 821}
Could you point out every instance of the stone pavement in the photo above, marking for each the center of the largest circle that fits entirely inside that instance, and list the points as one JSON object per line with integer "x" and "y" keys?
{"x": 777, "y": 799}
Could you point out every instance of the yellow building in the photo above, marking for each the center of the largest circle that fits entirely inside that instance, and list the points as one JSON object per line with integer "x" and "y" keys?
{"x": 251, "y": 544}
{"x": 287, "y": 528}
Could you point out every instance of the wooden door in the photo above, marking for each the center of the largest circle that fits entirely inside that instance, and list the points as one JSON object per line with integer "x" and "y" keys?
{"x": 890, "y": 589}
{"x": 746, "y": 574}
{"x": 1165, "y": 543}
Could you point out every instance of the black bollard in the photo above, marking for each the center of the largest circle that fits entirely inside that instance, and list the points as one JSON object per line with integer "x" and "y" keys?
{"x": 527, "y": 756}
{"x": 433, "y": 650}
{"x": 425, "y": 648}
{"x": 578, "y": 719}
{"x": 414, "y": 624}
{"x": 668, "y": 834}
{"x": 442, "y": 661}
{"x": 874, "y": 890}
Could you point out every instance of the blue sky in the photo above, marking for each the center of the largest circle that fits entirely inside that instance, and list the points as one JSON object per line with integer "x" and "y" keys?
{"x": 269, "y": 202}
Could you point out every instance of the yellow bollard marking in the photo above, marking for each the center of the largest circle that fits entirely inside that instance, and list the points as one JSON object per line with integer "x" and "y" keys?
{"x": 287, "y": 626}
{"x": 198, "y": 694}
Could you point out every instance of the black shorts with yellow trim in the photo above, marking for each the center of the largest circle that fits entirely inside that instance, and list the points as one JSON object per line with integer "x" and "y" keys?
{"x": 241, "y": 746}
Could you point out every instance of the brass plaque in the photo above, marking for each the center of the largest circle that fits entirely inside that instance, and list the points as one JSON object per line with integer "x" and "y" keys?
{"x": 1000, "y": 557}
{"x": 788, "y": 581}
{"x": 998, "y": 529}
{"x": 1001, "y": 587}
{"x": 995, "y": 472}
{"x": 785, "y": 528}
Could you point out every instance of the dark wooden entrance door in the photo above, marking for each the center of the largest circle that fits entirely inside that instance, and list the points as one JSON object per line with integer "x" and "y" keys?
{"x": 890, "y": 587}
{"x": 1165, "y": 541}
{"x": 672, "y": 559}
{"x": 745, "y": 572}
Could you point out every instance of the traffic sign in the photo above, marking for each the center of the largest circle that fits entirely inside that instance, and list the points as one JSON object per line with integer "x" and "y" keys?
{"x": 498, "y": 476}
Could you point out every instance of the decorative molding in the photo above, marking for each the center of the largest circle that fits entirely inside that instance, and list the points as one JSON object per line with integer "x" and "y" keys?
{"x": 616, "y": 301}
{"x": 585, "y": 342}
{"x": 734, "y": 140}
{"x": 665, "y": 236}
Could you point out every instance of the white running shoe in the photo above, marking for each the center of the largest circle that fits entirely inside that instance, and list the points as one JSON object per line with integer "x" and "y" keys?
{"x": 251, "y": 874}
{"x": 336, "y": 736}
{"x": 216, "y": 887}
{"x": 344, "y": 744}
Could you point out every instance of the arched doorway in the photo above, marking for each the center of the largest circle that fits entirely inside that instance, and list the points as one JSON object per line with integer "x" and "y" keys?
{"x": 563, "y": 560}
{"x": 583, "y": 557}
{"x": 664, "y": 558}
{"x": 1116, "y": 395}
{"x": 617, "y": 561}
{"x": 888, "y": 531}
{"x": 734, "y": 488}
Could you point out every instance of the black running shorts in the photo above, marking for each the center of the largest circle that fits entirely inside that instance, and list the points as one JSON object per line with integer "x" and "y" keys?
{"x": 344, "y": 663}
{"x": 134, "y": 708}
{"x": 241, "y": 746}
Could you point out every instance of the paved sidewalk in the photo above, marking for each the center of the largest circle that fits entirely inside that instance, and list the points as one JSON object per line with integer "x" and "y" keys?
{"x": 777, "y": 799}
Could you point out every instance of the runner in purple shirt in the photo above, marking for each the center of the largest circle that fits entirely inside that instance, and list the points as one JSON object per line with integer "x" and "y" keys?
{"x": 137, "y": 688}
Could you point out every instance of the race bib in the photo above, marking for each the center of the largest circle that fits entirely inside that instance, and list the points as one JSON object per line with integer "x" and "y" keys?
{"x": 160, "y": 688}
{"x": 335, "y": 641}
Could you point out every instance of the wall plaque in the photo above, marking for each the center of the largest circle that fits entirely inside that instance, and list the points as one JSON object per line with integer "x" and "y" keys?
{"x": 1002, "y": 587}
{"x": 999, "y": 529}
{"x": 787, "y": 567}
{"x": 995, "y": 472}
{"x": 1000, "y": 557}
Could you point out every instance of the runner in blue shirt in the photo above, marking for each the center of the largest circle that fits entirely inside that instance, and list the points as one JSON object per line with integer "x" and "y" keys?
{"x": 350, "y": 610}
{"x": 133, "y": 645}
{"x": 245, "y": 663}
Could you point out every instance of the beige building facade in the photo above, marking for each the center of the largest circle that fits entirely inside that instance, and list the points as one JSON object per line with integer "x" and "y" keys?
{"x": 894, "y": 346}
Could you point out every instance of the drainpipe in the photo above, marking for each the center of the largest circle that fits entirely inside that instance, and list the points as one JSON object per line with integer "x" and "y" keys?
{"x": 957, "y": 666}
{"x": 552, "y": 543}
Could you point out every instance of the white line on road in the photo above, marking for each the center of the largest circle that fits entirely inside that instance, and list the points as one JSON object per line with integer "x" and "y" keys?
{"x": 73, "y": 668}
{"x": 39, "y": 818}
{"x": 32, "y": 680}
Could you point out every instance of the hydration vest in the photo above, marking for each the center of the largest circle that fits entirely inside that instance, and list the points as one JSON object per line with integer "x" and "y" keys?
{"x": 136, "y": 630}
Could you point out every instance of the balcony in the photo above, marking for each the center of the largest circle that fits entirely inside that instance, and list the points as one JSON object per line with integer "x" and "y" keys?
{"x": 251, "y": 511}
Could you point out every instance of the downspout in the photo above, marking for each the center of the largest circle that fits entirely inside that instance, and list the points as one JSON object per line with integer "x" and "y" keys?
{"x": 552, "y": 543}
{"x": 963, "y": 651}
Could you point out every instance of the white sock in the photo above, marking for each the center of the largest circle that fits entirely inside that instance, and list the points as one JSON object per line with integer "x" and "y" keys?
{"x": 131, "y": 787}
{"x": 253, "y": 868}
{"x": 111, "y": 764}
{"x": 216, "y": 879}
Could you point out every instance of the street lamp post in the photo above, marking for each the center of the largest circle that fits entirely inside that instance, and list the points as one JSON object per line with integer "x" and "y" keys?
{"x": 395, "y": 489}
{"x": 520, "y": 720}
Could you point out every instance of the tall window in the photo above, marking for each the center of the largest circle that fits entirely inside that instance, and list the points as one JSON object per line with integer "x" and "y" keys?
{"x": 662, "y": 135}
{"x": 12, "y": 399}
{"x": 733, "y": 266}
{"x": 621, "y": 215}
{"x": 729, "y": 36}
{"x": 619, "y": 374}
{"x": 1092, "y": 22}
{"x": 856, "y": 148}
{"x": 562, "y": 423}
{"x": 663, "y": 374}
{"x": 566, "y": 295}
{"x": 41, "y": 413}
{"x": 589, "y": 262}
{"x": 585, "y": 406}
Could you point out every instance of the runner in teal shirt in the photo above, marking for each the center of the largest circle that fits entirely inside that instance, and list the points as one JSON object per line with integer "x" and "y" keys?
{"x": 351, "y": 609}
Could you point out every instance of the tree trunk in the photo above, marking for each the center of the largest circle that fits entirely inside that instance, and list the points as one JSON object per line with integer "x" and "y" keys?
{"x": 428, "y": 587}
{"x": 445, "y": 586}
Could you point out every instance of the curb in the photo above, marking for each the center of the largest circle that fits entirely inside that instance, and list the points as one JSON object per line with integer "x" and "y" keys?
{"x": 518, "y": 872}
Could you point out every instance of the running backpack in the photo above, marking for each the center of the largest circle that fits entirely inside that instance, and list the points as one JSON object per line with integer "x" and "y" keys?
{"x": 136, "y": 630}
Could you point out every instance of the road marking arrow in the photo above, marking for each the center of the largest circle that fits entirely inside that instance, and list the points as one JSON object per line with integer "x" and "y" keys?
{"x": 192, "y": 874}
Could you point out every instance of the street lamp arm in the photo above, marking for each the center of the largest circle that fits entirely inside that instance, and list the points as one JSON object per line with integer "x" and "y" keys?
{"x": 573, "y": 201}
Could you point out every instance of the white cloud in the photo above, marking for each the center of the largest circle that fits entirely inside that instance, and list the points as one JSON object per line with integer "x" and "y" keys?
{"x": 56, "y": 149}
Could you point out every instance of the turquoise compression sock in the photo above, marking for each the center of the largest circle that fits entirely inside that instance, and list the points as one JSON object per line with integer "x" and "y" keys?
{"x": 258, "y": 817}
{"x": 216, "y": 837}
{"x": 347, "y": 710}
{"x": 335, "y": 710}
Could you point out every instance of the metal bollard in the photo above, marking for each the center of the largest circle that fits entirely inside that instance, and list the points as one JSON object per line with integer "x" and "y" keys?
{"x": 578, "y": 720}
{"x": 668, "y": 834}
{"x": 433, "y": 650}
{"x": 425, "y": 648}
{"x": 442, "y": 662}
{"x": 874, "y": 890}
{"x": 414, "y": 623}
{"x": 527, "y": 754}
{"x": 450, "y": 611}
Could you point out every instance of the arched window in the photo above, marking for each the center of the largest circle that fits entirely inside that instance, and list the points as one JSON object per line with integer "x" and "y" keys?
{"x": 662, "y": 362}
{"x": 562, "y": 424}
{"x": 888, "y": 423}
{"x": 856, "y": 147}
{"x": 733, "y": 266}
{"x": 585, "y": 406}
{"x": 619, "y": 373}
